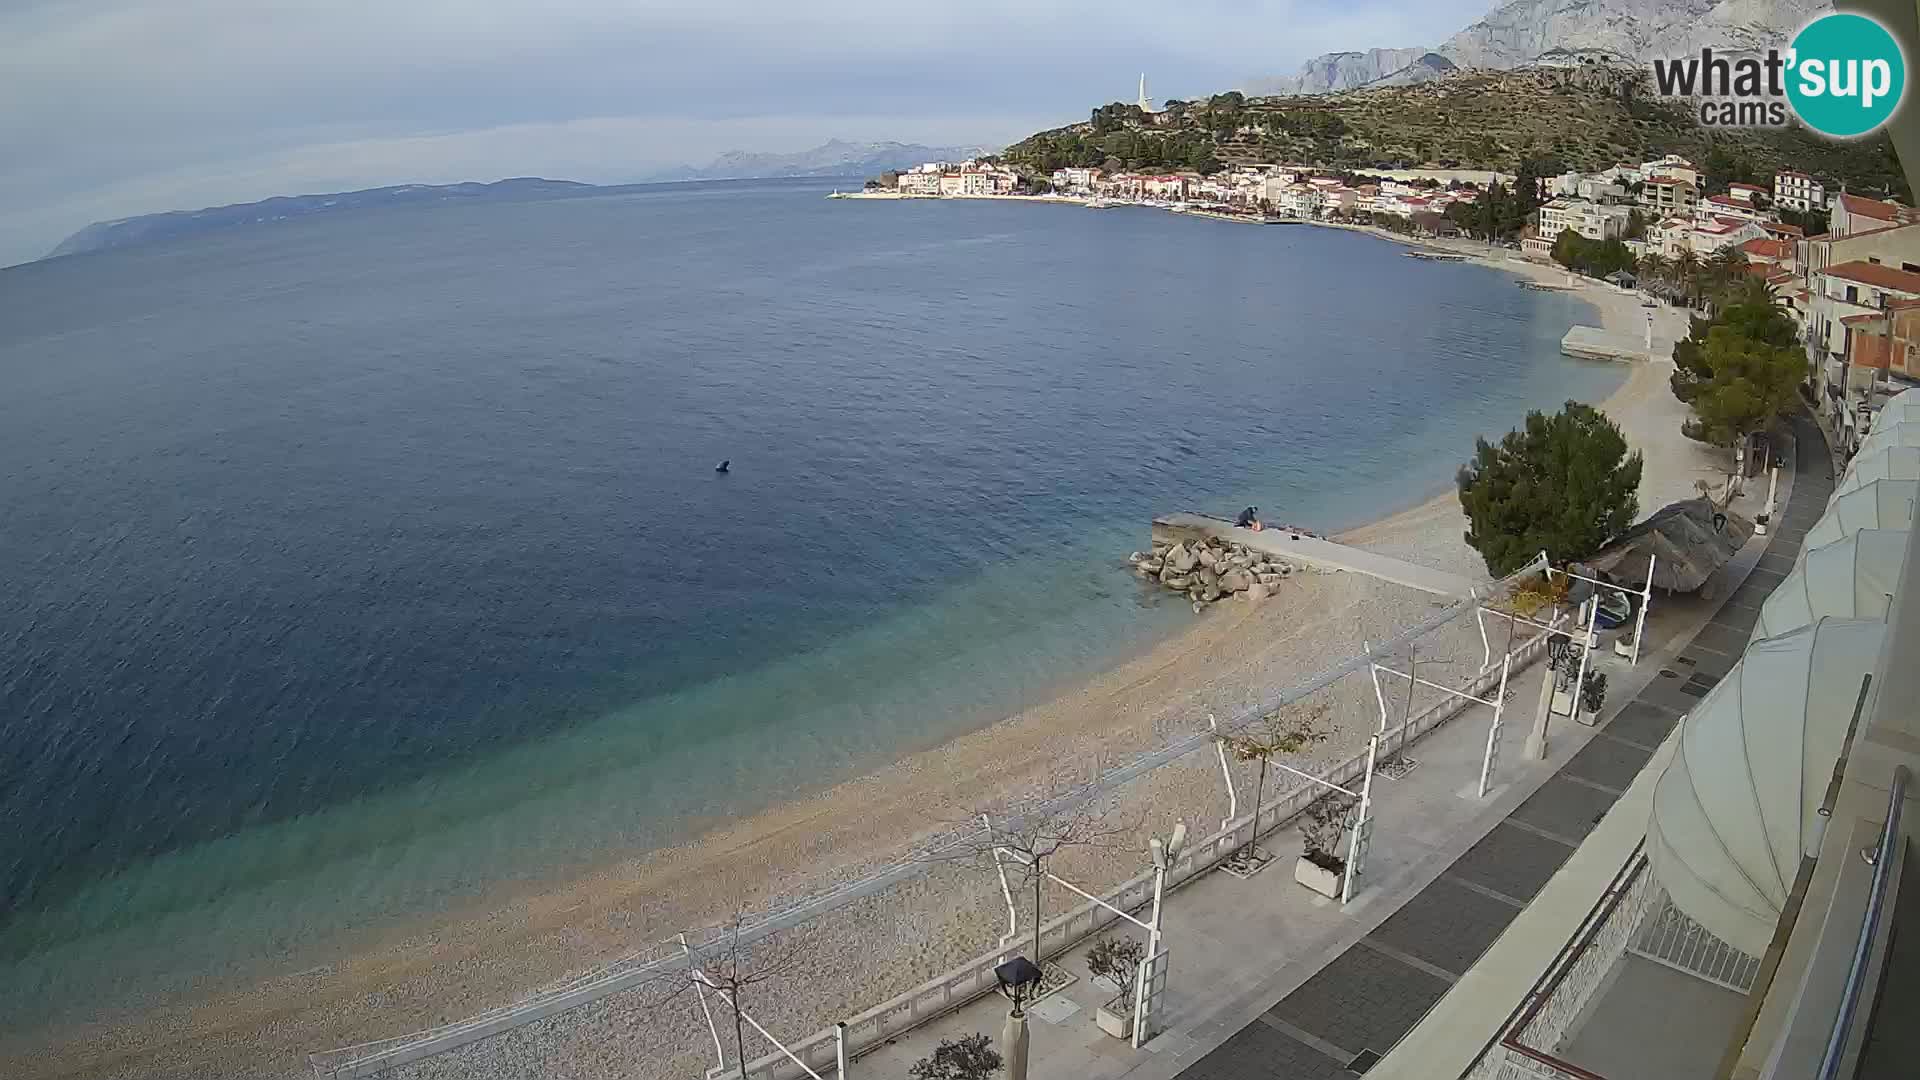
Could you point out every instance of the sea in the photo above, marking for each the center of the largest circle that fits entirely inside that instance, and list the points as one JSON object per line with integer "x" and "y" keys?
{"x": 354, "y": 567}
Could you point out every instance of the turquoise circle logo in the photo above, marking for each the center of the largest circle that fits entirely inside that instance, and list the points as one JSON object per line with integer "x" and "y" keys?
{"x": 1848, "y": 75}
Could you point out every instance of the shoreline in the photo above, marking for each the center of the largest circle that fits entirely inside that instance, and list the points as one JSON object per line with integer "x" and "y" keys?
{"x": 522, "y": 935}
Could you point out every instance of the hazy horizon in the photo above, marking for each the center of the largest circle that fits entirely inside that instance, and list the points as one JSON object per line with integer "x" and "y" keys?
{"x": 133, "y": 107}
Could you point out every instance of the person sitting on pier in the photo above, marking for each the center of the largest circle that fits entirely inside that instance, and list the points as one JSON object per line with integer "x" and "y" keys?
{"x": 1249, "y": 519}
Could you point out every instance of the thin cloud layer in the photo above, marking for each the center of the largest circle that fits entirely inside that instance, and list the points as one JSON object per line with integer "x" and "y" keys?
{"x": 123, "y": 107}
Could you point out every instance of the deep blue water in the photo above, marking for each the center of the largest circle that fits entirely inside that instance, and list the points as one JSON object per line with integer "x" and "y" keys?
{"x": 354, "y": 564}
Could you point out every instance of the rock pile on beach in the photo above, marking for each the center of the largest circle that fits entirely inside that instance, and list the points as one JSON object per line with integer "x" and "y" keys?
{"x": 1210, "y": 569}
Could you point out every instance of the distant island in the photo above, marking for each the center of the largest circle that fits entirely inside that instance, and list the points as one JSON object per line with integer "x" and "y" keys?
{"x": 147, "y": 228}
{"x": 835, "y": 157}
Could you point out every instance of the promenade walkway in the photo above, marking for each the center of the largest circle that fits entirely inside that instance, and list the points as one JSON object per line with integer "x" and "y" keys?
{"x": 1270, "y": 982}
{"x": 1311, "y": 551}
{"x": 1349, "y": 1014}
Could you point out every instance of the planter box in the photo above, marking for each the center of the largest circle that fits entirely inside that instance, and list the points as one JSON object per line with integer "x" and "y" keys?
{"x": 1316, "y": 877}
{"x": 1116, "y": 1018}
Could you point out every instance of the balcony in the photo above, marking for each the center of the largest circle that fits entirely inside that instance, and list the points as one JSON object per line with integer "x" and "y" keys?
{"x": 1640, "y": 992}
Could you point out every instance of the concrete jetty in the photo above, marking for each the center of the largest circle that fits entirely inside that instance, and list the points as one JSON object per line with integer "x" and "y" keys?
{"x": 1309, "y": 551}
{"x": 1593, "y": 343}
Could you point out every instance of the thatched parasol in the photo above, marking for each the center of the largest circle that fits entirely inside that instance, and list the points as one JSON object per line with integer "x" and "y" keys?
{"x": 1689, "y": 540}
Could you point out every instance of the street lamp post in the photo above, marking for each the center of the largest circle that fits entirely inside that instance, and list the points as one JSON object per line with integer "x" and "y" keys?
{"x": 1019, "y": 980}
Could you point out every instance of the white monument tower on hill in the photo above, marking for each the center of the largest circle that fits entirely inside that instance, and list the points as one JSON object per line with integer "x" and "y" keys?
{"x": 1145, "y": 104}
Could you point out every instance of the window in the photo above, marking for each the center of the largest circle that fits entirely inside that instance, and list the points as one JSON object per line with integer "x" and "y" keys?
{"x": 1853, "y": 295}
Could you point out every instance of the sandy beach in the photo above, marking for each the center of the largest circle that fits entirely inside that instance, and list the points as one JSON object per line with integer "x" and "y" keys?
{"x": 393, "y": 981}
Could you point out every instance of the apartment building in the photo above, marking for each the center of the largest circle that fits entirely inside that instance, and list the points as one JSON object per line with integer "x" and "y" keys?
{"x": 1798, "y": 191}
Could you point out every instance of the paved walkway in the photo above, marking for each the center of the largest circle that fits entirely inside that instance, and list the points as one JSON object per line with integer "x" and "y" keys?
{"x": 1271, "y": 981}
{"x": 1339, "y": 1022}
{"x": 1325, "y": 554}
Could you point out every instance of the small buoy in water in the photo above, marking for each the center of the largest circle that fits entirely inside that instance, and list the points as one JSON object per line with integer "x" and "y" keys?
{"x": 722, "y": 467}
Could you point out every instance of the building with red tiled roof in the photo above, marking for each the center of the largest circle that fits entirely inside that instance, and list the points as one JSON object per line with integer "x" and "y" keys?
{"x": 1879, "y": 276}
{"x": 1772, "y": 255}
{"x": 1852, "y": 214}
{"x": 1886, "y": 340}
{"x": 1842, "y": 293}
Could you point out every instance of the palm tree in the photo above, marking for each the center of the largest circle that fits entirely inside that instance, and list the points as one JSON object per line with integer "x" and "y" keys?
{"x": 1686, "y": 275}
{"x": 1654, "y": 270}
{"x": 1755, "y": 290}
{"x": 1726, "y": 266}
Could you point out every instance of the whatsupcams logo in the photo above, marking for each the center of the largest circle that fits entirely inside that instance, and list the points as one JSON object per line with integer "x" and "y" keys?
{"x": 1843, "y": 75}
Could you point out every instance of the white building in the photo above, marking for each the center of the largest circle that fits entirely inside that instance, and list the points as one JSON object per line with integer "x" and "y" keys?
{"x": 919, "y": 181}
{"x": 1075, "y": 179}
{"x": 1798, "y": 191}
{"x": 1591, "y": 220}
{"x": 1599, "y": 189}
{"x": 1726, "y": 206}
{"x": 1850, "y": 214}
{"x": 1672, "y": 165}
{"x": 1722, "y": 232}
{"x": 1749, "y": 194}
{"x": 1666, "y": 194}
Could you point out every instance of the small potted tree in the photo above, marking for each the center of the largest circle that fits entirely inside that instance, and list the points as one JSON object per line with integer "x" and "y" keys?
{"x": 1593, "y": 695}
{"x": 1321, "y": 867}
{"x": 1288, "y": 731}
{"x": 1115, "y": 963}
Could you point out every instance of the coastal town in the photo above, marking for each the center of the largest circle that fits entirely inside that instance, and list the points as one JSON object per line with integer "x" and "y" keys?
{"x": 1845, "y": 266}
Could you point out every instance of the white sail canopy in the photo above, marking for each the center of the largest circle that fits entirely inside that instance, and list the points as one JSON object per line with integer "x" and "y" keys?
{"x": 1890, "y": 463}
{"x": 1889, "y": 431}
{"x": 1878, "y": 504}
{"x": 1851, "y": 578}
{"x": 1899, "y": 408}
{"x": 1736, "y": 807}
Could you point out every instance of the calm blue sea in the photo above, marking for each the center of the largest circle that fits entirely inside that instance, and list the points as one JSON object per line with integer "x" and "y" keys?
{"x": 354, "y": 565}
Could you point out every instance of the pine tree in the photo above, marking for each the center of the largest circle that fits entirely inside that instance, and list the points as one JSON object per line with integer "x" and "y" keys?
{"x": 1564, "y": 484}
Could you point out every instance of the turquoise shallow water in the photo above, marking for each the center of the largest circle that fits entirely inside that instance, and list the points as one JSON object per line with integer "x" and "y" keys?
{"x": 368, "y": 563}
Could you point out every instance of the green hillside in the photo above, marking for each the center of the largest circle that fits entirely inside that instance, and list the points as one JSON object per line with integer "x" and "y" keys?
{"x": 1564, "y": 118}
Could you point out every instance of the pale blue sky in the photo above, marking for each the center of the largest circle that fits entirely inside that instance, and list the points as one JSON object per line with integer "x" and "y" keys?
{"x": 110, "y": 108}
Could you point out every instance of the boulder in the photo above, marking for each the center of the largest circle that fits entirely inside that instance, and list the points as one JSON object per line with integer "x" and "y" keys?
{"x": 1198, "y": 607}
{"x": 1136, "y": 558}
{"x": 1181, "y": 559}
{"x": 1206, "y": 577}
{"x": 1207, "y": 557}
{"x": 1152, "y": 566}
{"x": 1256, "y": 592}
{"x": 1236, "y": 581}
{"x": 1210, "y": 594}
{"x": 1269, "y": 580}
{"x": 1176, "y": 582}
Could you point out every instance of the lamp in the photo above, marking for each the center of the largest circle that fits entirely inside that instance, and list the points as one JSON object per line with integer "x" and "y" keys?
{"x": 1019, "y": 978}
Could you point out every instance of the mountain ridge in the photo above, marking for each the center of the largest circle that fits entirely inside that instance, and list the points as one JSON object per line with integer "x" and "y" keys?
{"x": 1520, "y": 33}
{"x": 835, "y": 157}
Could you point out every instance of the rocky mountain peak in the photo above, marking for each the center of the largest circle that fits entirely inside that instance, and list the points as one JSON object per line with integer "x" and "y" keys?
{"x": 1523, "y": 32}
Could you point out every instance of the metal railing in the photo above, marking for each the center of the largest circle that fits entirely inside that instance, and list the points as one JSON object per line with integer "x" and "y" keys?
{"x": 371, "y": 1058}
{"x": 1522, "y": 1048}
{"x": 1883, "y": 859}
{"x": 1668, "y": 936}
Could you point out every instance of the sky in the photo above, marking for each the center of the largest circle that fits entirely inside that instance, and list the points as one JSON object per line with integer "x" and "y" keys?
{"x": 111, "y": 108}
